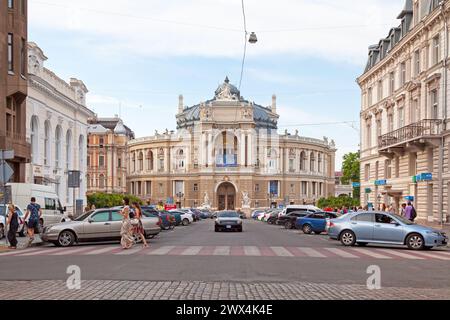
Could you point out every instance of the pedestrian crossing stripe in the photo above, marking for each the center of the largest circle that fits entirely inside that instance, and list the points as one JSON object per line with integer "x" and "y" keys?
{"x": 234, "y": 251}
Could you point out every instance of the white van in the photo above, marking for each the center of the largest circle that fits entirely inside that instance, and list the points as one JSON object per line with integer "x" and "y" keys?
{"x": 46, "y": 197}
{"x": 293, "y": 208}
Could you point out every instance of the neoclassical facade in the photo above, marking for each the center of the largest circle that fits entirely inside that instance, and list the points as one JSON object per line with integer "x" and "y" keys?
{"x": 226, "y": 153}
{"x": 107, "y": 159}
{"x": 57, "y": 123}
{"x": 404, "y": 114}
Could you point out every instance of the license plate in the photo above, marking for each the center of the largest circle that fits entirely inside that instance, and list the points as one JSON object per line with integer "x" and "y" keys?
{"x": 228, "y": 227}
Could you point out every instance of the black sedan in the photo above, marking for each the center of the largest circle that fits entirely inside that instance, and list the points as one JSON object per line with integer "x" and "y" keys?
{"x": 228, "y": 221}
{"x": 288, "y": 221}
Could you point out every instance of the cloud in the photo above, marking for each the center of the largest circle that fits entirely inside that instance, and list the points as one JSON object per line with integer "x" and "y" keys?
{"x": 337, "y": 31}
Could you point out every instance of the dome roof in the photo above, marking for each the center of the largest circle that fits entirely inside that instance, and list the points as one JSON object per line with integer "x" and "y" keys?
{"x": 227, "y": 93}
{"x": 120, "y": 128}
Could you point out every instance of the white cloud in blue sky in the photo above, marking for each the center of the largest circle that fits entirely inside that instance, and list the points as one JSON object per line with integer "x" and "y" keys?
{"x": 141, "y": 54}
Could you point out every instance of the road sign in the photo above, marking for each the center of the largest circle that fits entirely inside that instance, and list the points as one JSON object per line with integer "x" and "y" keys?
{"x": 7, "y": 154}
{"x": 74, "y": 179}
{"x": 6, "y": 172}
{"x": 356, "y": 184}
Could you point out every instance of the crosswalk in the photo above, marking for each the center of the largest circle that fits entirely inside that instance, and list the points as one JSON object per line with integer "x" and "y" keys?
{"x": 236, "y": 251}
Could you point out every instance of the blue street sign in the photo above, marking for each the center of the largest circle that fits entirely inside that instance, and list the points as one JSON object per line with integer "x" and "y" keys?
{"x": 381, "y": 182}
{"x": 356, "y": 185}
{"x": 409, "y": 198}
{"x": 424, "y": 177}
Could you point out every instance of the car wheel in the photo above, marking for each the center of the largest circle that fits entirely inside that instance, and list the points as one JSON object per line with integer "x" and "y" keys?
{"x": 137, "y": 238}
{"x": 307, "y": 229}
{"x": 185, "y": 222}
{"x": 348, "y": 238}
{"x": 2, "y": 231}
{"x": 288, "y": 225}
{"x": 66, "y": 238}
{"x": 415, "y": 242}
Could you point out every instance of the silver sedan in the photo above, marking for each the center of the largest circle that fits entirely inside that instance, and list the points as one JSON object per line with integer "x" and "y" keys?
{"x": 98, "y": 225}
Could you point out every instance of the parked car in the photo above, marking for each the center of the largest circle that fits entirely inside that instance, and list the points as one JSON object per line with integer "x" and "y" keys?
{"x": 257, "y": 212}
{"x": 289, "y": 220}
{"x": 228, "y": 221}
{"x": 205, "y": 214}
{"x": 167, "y": 220}
{"x": 384, "y": 228}
{"x": 292, "y": 208}
{"x": 22, "y": 230}
{"x": 315, "y": 222}
{"x": 186, "y": 218}
{"x": 97, "y": 225}
{"x": 195, "y": 215}
{"x": 273, "y": 217}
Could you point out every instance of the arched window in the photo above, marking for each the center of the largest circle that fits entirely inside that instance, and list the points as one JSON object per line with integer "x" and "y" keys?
{"x": 319, "y": 163}
{"x": 81, "y": 150}
{"x": 272, "y": 159}
{"x": 302, "y": 161}
{"x": 34, "y": 139}
{"x": 58, "y": 134}
{"x": 312, "y": 162}
{"x": 101, "y": 181}
{"x": 47, "y": 152}
{"x": 69, "y": 149}
{"x": 141, "y": 161}
{"x": 150, "y": 160}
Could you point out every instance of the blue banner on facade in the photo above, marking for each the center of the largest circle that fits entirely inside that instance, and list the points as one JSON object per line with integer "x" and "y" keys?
{"x": 381, "y": 182}
{"x": 424, "y": 177}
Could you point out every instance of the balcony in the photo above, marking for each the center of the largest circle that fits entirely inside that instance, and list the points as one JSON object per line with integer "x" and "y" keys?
{"x": 16, "y": 142}
{"x": 414, "y": 136}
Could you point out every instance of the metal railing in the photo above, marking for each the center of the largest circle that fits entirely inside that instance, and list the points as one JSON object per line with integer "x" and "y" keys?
{"x": 426, "y": 127}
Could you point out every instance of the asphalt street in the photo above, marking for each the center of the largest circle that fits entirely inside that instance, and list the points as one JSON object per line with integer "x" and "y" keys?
{"x": 197, "y": 253}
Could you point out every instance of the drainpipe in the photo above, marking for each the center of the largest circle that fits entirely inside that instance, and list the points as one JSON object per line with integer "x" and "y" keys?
{"x": 444, "y": 123}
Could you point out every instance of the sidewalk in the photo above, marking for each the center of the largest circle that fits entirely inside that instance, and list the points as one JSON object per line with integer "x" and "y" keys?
{"x": 22, "y": 243}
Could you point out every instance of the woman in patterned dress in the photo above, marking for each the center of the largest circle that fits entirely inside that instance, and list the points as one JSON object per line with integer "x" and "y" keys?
{"x": 139, "y": 228}
{"x": 126, "y": 231}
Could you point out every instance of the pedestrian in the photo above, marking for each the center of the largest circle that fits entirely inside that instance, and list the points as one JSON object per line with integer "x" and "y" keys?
{"x": 35, "y": 212}
{"x": 402, "y": 210}
{"x": 392, "y": 209}
{"x": 138, "y": 229}
{"x": 13, "y": 225}
{"x": 409, "y": 212}
{"x": 93, "y": 207}
{"x": 126, "y": 231}
{"x": 383, "y": 207}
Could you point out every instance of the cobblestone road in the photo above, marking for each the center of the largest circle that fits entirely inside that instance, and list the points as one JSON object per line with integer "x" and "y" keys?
{"x": 180, "y": 290}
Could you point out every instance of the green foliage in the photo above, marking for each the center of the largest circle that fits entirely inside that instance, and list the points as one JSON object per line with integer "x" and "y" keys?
{"x": 350, "y": 168}
{"x": 338, "y": 202}
{"x": 107, "y": 200}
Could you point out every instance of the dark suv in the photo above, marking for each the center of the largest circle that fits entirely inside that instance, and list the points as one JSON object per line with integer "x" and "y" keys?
{"x": 289, "y": 220}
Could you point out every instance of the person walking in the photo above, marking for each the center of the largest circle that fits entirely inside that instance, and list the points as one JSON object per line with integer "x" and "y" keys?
{"x": 13, "y": 225}
{"x": 126, "y": 231}
{"x": 409, "y": 212}
{"x": 403, "y": 210}
{"x": 35, "y": 212}
{"x": 392, "y": 209}
{"x": 138, "y": 229}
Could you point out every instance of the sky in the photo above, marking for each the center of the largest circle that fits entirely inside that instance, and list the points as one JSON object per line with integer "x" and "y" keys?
{"x": 136, "y": 57}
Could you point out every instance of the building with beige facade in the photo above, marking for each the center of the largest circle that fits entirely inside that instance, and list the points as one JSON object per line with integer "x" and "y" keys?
{"x": 107, "y": 155}
{"x": 404, "y": 114}
{"x": 227, "y": 154}
{"x": 57, "y": 123}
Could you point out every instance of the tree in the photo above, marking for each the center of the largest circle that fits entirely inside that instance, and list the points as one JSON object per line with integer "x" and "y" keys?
{"x": 350, "y": 168}
{"x": 108, "y": 200}
{"x": 338, "y": 202}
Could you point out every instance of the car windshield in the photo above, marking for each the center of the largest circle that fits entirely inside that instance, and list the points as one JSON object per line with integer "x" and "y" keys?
{"x": 228, "y": 215}
{"x": 403, "y": 220}
{"x": 84, "y": 216}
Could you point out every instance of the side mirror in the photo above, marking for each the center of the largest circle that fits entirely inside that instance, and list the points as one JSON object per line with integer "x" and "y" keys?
{"x": 90, "y": 220}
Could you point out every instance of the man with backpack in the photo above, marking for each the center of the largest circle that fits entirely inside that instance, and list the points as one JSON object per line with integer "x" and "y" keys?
{"x": 35, "y": 212}
{"x": 410, "y": 212}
